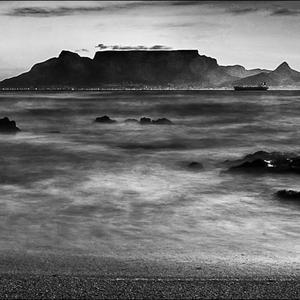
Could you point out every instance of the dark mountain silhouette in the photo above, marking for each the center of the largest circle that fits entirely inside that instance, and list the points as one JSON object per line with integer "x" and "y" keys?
{"x": 240, "y": 71}
{"x": 67, "y": 69}
{"x": 121, "y": 68}
{"x": 283, "y": 75}
{"x": 147, "y": 68}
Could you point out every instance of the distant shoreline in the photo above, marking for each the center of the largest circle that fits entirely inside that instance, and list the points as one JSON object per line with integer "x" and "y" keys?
{"x": 5, "y": 90}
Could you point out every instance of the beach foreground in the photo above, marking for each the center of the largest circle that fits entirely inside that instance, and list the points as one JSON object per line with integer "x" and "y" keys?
{"x": 35, "y": 286}
{"x": 31, "y": 275}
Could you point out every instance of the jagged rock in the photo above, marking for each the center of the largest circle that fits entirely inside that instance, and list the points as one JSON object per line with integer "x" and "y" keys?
{"x": 264, "y": 155}
{"x": 7, "y": 126}
{"x": 261, "y": 161}
{"x": 105, "y": 119}
{"x": 256, "y": 164}
{"x": 288, "y": 195}
{"x": 131, "y": 121}
{"x": 194, "y": 165}
{"x": 148, "y": 121}
{"x": 162, "y": 121}
{"x": 145, "y": 121}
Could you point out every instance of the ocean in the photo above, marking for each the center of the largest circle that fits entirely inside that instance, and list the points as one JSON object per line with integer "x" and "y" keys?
{"x": 69, "y": 185}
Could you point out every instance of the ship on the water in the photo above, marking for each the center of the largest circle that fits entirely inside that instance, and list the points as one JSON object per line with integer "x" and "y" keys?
{"x": 261, "y": 87}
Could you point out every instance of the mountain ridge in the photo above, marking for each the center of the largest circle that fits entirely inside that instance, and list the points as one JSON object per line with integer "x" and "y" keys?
{"x": 283, "y": 75}
{"x": 146, "y": 68}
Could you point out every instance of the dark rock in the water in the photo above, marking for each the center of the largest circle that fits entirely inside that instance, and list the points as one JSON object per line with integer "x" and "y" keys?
{"x": 7, "y": 126}
{"x": 257, "y": 155}
{"x": 131, "y": 121}
{"x": 262, "y": 155}
{"x": 194, "y": 165}
{"x": 148, "y": 121}
{"x": 145, "y": 121}
{"x": 256, "y": 164}
{"x": 105, "y": 119}
{"x": 261, "y": 161}
{"x": 288, "y": 194}
{"x": 162, "y": 121}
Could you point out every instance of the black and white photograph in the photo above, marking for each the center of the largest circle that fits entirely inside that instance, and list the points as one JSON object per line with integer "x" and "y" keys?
{"x": 150, "y": 149}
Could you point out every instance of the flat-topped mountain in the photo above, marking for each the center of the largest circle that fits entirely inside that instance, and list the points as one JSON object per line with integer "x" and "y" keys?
{"x": 151, "y": 67}
{"x": 121, "y": 68}
{"x": 283, "y": 75}
{"x": 144, "y": 67}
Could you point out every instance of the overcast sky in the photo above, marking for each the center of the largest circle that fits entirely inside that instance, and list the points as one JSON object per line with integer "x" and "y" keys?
{"x": 253, "y": 34}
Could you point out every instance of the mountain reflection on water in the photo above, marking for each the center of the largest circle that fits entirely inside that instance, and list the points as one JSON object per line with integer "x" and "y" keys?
{"x": 68, "y": 184}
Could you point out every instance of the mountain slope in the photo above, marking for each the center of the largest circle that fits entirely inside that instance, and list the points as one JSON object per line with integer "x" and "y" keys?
{"x": 122, "y": 68}
{"x": 240, "y": 71}
{"x": 181, "y": 68}
{"x": 283, "y": 75}
{"x": 68, "y": 68}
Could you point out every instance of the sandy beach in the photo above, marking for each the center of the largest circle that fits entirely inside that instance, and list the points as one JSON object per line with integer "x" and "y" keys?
{"x": 36, "y": 275}
{"x": 35, "y": 286}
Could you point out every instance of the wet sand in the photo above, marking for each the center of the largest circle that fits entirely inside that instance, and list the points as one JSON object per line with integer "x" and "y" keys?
{"x": 36, "y": 275}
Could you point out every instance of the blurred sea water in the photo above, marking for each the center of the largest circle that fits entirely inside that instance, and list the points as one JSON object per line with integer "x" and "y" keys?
{"x": 124, "y": 190}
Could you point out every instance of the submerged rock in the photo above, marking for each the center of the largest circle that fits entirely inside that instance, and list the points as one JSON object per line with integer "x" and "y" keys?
{"x": 262, "y": 161}
{"x": 194, "y": 165}
{"x": 162, "y": 121}
{"x": 145, "y": 121}
{"x": 131, "y": 121}
{"x": 288, "y": 195}
{"x": 256, "y": 164}
{"x": 7, "y": 126}
{"x": 105, "y": 119}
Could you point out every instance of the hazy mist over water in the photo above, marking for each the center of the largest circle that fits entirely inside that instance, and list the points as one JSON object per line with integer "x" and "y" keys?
{"x": 68, "y": 184}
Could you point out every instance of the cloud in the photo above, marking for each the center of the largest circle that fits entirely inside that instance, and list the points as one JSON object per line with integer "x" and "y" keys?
{"x": 159, "y": 47}
{"x": 227, "y": 7}
{"x": 50, "y": 12}
{"x": 234, "y": 8}
{"x": 187, "y": 2}
{"x": 285, "y": 12}
{"x": 272, "y": 10}
{"x": 178, "y": 24}
{"x": 102, "y": 46}
{"x": 82, "y": 50}
{"x": 44, "y": 11}
{"x": 243, "y": 11}
{"x": 139, "y": 47}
